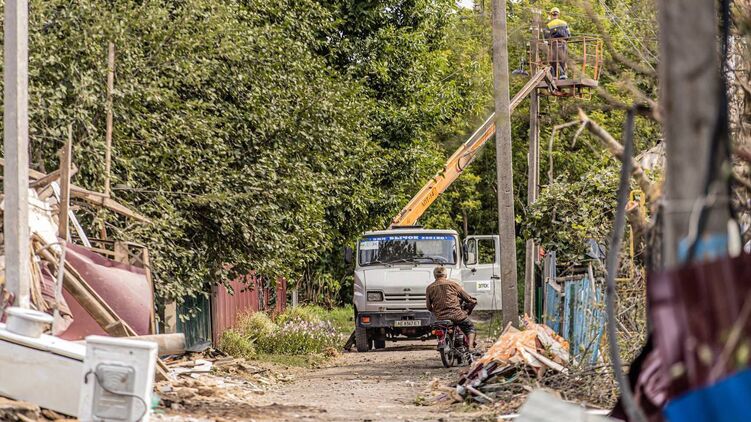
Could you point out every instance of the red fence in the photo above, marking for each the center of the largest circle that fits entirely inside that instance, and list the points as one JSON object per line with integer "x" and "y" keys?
{"x": 251, "y": 294}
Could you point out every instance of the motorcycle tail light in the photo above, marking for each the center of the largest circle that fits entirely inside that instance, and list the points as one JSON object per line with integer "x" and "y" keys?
{"x": 438, "y": 333}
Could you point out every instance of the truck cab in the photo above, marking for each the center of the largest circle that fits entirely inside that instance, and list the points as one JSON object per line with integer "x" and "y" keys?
{"x": 394, "y": 267}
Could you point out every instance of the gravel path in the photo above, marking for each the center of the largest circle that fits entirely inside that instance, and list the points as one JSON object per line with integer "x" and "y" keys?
{"x": 375, "y": 386}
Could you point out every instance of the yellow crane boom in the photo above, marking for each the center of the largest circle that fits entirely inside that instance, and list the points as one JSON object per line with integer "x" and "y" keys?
{"x": 463, "y": 157}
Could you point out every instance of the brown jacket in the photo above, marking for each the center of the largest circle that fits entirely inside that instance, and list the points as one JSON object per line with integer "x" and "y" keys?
{"x": 442, "y": 298}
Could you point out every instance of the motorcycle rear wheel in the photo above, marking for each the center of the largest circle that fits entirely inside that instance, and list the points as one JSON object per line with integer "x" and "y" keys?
{"x": 447, "y": 357}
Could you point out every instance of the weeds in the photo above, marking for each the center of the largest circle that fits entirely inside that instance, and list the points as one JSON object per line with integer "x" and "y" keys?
{"x": 302, "y": 335}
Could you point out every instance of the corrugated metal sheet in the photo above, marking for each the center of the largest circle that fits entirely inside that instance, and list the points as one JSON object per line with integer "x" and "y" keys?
{"x": 248, "y": 294}
{"x": 197, "y": 328}
{"x": 244, "y": 297}
{"x": 553, "y": 311}
{"x": 552, "y": 306}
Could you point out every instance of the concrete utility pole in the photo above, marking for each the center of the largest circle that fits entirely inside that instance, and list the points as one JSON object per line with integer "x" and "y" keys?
{"x": 505, "y": 180}
{"x": 16, "y": 147}
{"x": 533, "y": 172}
{"x": 690, "y": 71}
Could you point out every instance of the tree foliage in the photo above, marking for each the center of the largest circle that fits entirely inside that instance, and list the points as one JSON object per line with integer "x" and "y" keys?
{"x": 268, "y": 135}
{"x": 263, "y": 135}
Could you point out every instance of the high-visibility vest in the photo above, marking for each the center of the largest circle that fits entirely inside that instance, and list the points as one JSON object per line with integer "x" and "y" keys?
{"x": 557, "y": 28}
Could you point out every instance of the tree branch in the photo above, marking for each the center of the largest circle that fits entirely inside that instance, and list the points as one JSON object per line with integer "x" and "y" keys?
{"x": 616, "y": 149}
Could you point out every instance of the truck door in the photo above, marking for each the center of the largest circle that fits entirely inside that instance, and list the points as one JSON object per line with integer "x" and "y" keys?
{"x": 481, "y": 274}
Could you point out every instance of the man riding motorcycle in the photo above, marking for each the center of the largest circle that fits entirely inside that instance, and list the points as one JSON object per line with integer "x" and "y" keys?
{"x": 447, "y": 300}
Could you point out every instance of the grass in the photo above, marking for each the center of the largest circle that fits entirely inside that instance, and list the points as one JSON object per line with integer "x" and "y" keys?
{"x": 302, "y": 336}
{"x": 488, "y": 328}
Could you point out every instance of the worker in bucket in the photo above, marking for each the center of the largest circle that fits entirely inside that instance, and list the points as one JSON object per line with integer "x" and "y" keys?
{"x": 447, "y": 300}
{"x": 557, "y": 33}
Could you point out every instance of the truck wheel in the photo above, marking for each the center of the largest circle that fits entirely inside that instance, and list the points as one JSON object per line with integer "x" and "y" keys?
{"x": 379, "y": 344}
{"x": 361, "y": 339}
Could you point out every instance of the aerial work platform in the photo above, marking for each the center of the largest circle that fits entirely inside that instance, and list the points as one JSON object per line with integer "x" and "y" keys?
{"x": 575, "y": 64}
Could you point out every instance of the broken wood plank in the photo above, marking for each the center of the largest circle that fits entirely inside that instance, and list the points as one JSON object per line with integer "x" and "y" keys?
{"x": 101, "y": 200}
{"x": 51, "y": 177}
{"x": 65, "y": 160}
{"x": 92, "y": 197}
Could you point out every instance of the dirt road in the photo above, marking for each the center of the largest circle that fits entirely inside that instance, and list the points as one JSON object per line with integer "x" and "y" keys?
{"x": 375, "y": 386}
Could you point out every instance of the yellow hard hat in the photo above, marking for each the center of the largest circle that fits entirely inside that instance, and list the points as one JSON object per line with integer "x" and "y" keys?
{"x": 555, "y": 10}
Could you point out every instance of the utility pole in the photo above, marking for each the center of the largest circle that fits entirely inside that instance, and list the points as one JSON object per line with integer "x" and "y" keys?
{"x": 16, "y": 147}
{"x": 505, "y": 181}
{"x": 690, "y": 72}
{"x": 533, "y": 172}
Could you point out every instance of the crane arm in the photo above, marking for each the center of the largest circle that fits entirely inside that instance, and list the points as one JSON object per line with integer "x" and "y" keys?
{"x": 463, "y": 157}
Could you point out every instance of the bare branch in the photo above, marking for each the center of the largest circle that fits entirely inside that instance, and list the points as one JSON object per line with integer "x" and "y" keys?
{"x": 616, "y": 149}
{"x": 636, "y": 67}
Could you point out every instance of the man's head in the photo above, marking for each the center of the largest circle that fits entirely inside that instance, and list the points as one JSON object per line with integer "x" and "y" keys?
{"x": 440, "y": 272}
{"x": 555, "y": 12}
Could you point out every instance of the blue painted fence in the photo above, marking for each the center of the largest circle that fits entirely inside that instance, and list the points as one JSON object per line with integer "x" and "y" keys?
{"x": 575, "y": 309}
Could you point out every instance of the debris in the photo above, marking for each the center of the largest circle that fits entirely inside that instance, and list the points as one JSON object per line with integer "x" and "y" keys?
{"x": 11, "y": 410}
{"x": 199, "y": 366}
{"x": 519, "y": 362}
{"x": 542, "y": 406}
{"x": 529, "y": 347}
{"x": 227, "y": 381}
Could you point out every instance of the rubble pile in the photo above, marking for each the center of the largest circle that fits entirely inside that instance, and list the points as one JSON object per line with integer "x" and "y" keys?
{"x": 521, "y": 361}
{"x": 203, "y": 381}
{"x": 12, "y": 410}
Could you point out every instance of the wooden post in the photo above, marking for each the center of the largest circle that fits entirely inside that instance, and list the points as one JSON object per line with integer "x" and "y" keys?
{"x": 146, "y": 259}
{"x": 65, "y": 160}
{"x": 506, "y": 223}
{"x": 170, "y": 317}
{"x": 16, "y": 150}
{"x": 689, "y": 90}
{"x": 108, "y": 134}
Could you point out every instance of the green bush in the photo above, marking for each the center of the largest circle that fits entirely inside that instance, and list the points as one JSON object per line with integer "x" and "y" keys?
{"x": 298, "y": 336}
{"x": 341, "y": 318}
{"x": 298, "y": 331}
{"x": 308, "y": 313}
{"x": 256, "y": 325}
{"x": 237, "y": 344}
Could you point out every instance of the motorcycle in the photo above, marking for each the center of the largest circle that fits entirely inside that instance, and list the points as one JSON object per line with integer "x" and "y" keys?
{"x": 453, "y": 343}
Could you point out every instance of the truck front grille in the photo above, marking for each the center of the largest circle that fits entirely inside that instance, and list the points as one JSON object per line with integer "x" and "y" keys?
{"x": 404, "y": 297}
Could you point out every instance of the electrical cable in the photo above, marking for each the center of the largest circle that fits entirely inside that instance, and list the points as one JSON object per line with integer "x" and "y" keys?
{"x": 633, "y": 411}
{"x": 117, "y": 393}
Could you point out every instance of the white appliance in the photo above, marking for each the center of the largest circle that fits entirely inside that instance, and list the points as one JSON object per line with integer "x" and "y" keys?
{"x": 44, "y": 370}
{"x": 118, "y": 379}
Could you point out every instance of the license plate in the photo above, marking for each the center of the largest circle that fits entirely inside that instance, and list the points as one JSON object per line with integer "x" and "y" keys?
{"x": 408, "y": 323}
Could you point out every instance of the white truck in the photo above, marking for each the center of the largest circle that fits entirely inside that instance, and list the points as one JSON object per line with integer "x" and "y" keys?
{"x": 393, "y": 268}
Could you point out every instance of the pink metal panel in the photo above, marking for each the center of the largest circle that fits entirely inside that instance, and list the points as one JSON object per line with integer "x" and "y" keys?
{"x": 225, "y": 307}
{"x": 122, "y": 286}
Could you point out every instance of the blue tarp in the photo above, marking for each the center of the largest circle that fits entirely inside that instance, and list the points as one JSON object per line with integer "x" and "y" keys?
{"x": 726, "y": 401}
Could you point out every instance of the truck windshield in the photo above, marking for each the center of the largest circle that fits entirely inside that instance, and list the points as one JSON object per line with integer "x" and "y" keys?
{"x": 432, "y": 249}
